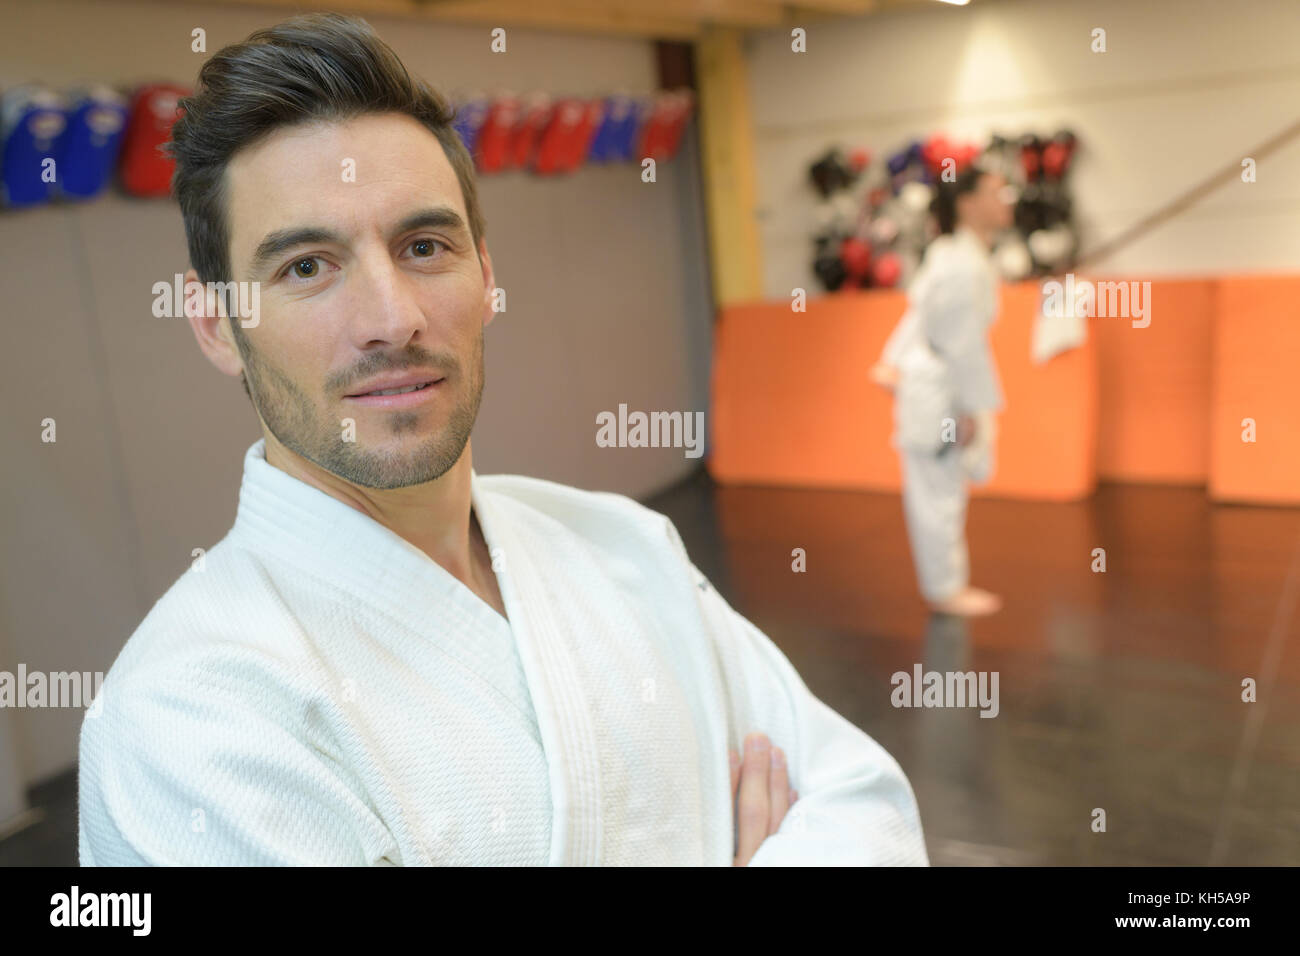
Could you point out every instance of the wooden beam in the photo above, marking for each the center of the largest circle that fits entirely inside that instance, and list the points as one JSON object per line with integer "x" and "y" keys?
{"x": 841, "y": 7}
{"x": 566, "y": 17}
{"x": 652, "y": 19}
{"x": 740, "y": 13}
{"x": 497, "y": 13}
{"x": 727, "y": 152}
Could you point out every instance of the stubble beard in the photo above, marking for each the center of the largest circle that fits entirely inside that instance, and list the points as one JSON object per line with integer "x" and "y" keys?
{"x": 300, "y": 425}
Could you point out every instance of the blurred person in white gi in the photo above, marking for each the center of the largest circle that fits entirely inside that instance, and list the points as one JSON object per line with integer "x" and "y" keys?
{"x": 940, "y": 366}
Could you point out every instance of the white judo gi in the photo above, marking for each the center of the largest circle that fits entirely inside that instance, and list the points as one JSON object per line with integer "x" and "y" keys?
{"x": 941, "y": 350}
{"x": 322, "y": 692}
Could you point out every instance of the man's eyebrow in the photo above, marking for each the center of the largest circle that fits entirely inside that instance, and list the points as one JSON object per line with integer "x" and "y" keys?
{"x": 280, "y": 241}
{"x": 436, "y": 217}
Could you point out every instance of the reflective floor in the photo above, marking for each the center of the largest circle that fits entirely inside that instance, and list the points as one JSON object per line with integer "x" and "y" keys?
{"x": 1119, "y": 691}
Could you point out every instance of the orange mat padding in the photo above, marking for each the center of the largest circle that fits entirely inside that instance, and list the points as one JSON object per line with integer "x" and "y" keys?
{"x": 1256, "y": 377}
{"x": 792, "y": 404}
{"x": 1154, "y": 387}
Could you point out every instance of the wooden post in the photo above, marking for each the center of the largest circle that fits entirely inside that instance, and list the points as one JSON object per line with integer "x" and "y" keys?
{"x": 727, "y": 155}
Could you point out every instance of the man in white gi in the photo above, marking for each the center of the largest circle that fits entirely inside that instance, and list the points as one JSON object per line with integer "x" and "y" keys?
{"x": 939, "y": 364}
{"x": 391, "y": 659}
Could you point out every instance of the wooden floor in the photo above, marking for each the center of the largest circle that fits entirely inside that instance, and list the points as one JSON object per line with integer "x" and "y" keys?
{"x": 1118, "y": 690}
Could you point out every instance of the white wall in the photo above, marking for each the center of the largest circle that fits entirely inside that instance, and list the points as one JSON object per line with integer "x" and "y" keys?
{"x": 1186, "y": 87}
{"x": 607, "y": 294}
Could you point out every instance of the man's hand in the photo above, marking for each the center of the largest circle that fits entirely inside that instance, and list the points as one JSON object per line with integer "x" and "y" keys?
{"x": 966, "y": 429}
{"x": 761, "y": 794}
{"x": 886, "y": 376}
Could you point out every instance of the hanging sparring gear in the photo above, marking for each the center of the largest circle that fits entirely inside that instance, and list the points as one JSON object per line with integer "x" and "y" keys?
{"x": 146, "y": 169}
{"x": 97, "y": 118}
{"x": 33, "y": 121}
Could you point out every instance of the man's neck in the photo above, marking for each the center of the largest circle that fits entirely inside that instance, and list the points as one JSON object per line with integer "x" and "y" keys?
{"x": 983, "y": 236}
{"x": 433, "y": 516}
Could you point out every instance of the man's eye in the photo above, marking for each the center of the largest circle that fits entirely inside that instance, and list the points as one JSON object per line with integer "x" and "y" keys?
{"x": 305, "y": 268}
{"x": 423, "y": 248}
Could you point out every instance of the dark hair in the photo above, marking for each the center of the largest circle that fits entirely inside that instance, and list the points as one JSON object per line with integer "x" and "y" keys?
{"x": 944, "y": 204}
{"x": 318, "y": 66}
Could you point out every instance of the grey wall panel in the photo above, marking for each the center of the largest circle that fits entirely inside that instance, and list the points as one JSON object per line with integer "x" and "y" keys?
{"x": 607, "y": 294}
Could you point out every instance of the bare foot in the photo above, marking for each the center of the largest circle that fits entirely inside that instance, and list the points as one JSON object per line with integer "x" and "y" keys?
{"x": 969, "y": 602}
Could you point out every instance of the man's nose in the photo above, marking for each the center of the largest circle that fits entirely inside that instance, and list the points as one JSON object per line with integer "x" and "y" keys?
{"x": 386, "y": 306}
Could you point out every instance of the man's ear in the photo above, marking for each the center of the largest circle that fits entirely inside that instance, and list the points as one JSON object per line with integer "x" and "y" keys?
{"x": 489, "y": 283}
{"x": 207, "y": 316}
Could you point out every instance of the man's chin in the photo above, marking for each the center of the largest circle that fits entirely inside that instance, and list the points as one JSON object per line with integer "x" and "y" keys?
{"x": 399, "y": 461}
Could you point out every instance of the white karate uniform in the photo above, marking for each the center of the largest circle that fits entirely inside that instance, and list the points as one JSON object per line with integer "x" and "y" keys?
{"x": 322, "y": 692}
{"x": 946, "y": 367}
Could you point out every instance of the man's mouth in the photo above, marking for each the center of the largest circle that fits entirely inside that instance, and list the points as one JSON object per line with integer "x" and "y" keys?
{"x": 396, "y": 391}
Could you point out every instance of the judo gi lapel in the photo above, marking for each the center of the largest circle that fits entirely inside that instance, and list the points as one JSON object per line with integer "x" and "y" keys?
{"x": 333, "y": 542}
{"x": 319, "y": 535}
{"x": 975, "y": 249}
{"x": 564, "y": 717}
